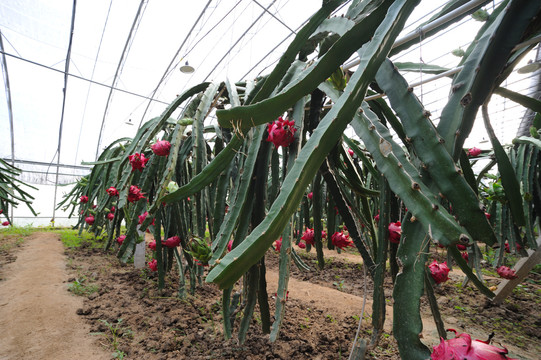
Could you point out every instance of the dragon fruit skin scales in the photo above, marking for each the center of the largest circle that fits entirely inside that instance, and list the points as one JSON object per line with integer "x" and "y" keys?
{"x": 463, "y": 348}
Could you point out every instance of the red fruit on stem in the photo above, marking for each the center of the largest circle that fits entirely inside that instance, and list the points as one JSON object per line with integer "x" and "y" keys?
{"x": 308, "y": 236}
{"x": 351, "y": 153}
{"x": 278, "y": 244}
{"x": 135, "y": 194}
{"x": 120, "y": 239}
{"x": 89, "y": 220}
{"x": 395, "y": 232}
{"x": 229, "y": 245}
{"x": 172, "y": 242}
{"x": 281, "y": 132}
{"x": 340, "y": 240}
{"x": 152, "y": 245}
{"x": 5, "y": 223}
{"x": 161, "y": 148}
{"x": 153, "y": 265}
{"x": 310, "y": 195}
{"x": 461, "y": 247}
{"x": 83, "y": 199}
{"x": 302, "y": 245}
{"x": 137, "y": 161}
{"x": 113, "y": 209}
{"x": 439, "y": 272}
{"x": 465, "y": 256}
{"x": 110, "y": 216}
{"x": 112, "y": 191}
{"x": 474, "y": 151}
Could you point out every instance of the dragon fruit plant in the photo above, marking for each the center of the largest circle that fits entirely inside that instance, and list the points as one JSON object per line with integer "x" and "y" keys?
{"x": 276, "y": 139}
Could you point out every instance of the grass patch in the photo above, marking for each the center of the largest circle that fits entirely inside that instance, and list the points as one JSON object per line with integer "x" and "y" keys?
{"x": 72, "y": 239}
{"x": 80, "y": 287}
{"x": 17, "y": 230}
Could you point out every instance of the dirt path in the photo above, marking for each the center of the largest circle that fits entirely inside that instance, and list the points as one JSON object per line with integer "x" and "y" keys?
{"x": 37, "y": 314}
{"x": 340, "y": 304}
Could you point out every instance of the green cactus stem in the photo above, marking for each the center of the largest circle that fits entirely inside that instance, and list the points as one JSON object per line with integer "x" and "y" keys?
{"x": 431, "y": 151}
{"x": 234, "y": 264}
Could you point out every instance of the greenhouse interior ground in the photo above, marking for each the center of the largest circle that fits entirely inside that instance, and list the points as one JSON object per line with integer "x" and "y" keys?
{"x": 270, "y": 179}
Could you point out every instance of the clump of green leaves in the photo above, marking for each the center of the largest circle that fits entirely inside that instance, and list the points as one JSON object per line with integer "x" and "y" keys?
{"x": 80, "y": 287}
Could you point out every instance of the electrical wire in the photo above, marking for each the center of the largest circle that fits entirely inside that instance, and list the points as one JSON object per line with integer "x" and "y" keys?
{"x": 65, "y": 90}
{"x": 92, "y": 77}
{"x": 123, "y": 57}
{"x": 169, "y": 67}
{"x": 81, "y": 78}
{"x": 238, "y": 40}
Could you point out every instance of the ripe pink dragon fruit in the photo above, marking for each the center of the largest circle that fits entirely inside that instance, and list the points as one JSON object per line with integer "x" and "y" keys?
{"x": 310, "y": 195}
{"x": 83, "y": 199}
{"x": 461, "y": 347}
{"x": 229, "y": 245}
{"x": 302, "y": 245}
{"x": 112, "y": 191}
{"x": 278, "y": 244}
{"x": 465, "y": 256}
{"x": 506, "y": 272}
{"x": 161, "y": 148}
{"x": 135, "y": 194}
{"x": 137, "y": 161}
{"x": 461, "y": 247}
{"x": 395, "y": 232}
{"x": 89, "y": 220}
{"x": 153, "y": 265}
{"x": 5, "y": 223}
{"x": 281, "y": 132}
{"x": 350, "y": 152}
{"x": 143, "y": 217}
{"x": 439, "y": 272}
{"x": 152, "y": 245}
{"x": 120, "y": 239}
{"x": 308, "y": 236}
{"x": 474, "y": 151}
{"x": 172, "y": 242}
{"x": 341, "y": 240}
{"x": 110, "y": 216}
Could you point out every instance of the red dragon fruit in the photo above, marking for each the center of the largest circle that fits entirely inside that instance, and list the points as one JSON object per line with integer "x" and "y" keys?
{"x": 439, "y": 272}
{"x": 161, "y": 148}
{"x": 278, "y": 244}
{"x": 395, "y": 231}
{"x": 153, "y": 265}
{"x": 308, "y": 236}
{"x": 461, "y": 347}
{"x": 172, "y": 242}
{"x": 506, "y": 272}
{"x": 341, "y": 240}
{"x": 281, "y": 132}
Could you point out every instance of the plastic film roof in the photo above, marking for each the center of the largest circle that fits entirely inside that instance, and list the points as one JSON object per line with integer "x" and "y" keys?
{"x": 124, "y": 62}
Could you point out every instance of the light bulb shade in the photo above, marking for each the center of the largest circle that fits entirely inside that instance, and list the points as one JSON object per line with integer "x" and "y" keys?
{"x": 187, "y": 69}
{"x": 531, "y": 67}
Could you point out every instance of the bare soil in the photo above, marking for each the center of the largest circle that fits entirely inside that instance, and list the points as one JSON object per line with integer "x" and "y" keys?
{"x": 127, "y": 316}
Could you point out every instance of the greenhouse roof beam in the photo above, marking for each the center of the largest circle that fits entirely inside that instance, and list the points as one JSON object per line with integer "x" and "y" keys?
{"x": 168, "y": 69}
{"x": 65, "y": 90}
{"x": 82, "y": 78}
{"x": 8, "y": 97}
{"x": 123, "y": 57}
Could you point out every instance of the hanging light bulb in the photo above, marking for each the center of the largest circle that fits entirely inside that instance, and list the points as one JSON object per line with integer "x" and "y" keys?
{"x": 187, "y": 69}
{"x": 530, "y": 67}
